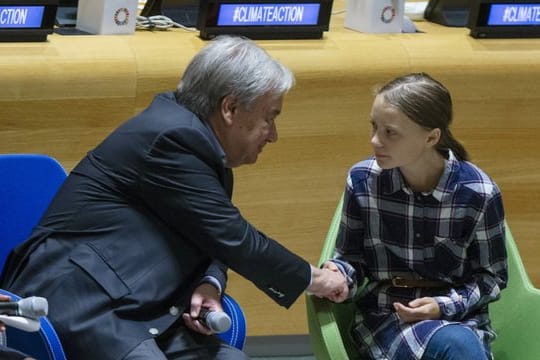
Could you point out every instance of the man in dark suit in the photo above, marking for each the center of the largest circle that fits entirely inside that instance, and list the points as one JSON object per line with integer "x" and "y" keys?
{"x": 144, "y": 229}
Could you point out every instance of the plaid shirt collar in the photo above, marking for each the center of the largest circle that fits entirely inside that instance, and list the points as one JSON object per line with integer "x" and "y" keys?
{"x": 446, "y": 186}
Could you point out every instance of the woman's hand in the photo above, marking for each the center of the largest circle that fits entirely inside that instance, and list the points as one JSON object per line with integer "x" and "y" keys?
{"x": 425, "y": 308}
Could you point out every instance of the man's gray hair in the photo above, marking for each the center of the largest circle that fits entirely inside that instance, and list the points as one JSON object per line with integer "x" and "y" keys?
{"x": 235, "y": 66}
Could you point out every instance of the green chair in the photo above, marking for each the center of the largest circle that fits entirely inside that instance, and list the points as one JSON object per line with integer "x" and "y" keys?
{"x": 515, "y": 317}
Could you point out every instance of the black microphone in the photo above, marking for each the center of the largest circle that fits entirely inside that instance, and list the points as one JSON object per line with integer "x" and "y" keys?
{"x": 217, "y": 321}
{"x": 32, "y": 307}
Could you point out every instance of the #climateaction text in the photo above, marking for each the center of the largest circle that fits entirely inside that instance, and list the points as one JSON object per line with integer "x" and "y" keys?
{"x": 20, "y": 16}
{"x": 514, "y": 14}
{"x": 268, "y": 14}
{"x": 13, "y": 16}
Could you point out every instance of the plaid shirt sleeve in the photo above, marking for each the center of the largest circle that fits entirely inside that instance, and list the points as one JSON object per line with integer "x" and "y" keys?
{"x": 346, "y": 256}
{"x": 488, "y": 259}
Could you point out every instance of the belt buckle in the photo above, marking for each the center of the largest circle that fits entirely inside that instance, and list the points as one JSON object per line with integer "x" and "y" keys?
{"x": 399, "y": 282}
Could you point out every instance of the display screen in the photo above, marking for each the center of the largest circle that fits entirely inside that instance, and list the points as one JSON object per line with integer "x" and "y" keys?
{"x": 266, "y": 14}
{"x": 265, "y": 19}
{"x": 12, "y": 17}
{"x": 514, "y": 14}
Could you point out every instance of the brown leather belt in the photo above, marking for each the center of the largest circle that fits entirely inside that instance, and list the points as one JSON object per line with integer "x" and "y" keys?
{"x": 400, "y": 282}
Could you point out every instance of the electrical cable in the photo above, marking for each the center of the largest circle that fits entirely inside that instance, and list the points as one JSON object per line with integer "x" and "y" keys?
{"x": 158, "y": 22}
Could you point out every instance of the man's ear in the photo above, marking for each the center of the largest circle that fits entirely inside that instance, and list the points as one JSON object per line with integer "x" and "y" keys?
{"x": 228, "y": 109}
{"x": 434, "y": 137}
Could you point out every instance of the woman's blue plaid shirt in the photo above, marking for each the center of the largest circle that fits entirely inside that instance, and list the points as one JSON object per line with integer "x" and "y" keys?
{"x": 454, "y": 234}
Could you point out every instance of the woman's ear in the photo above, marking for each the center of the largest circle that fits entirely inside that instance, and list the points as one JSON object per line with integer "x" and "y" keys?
{"x": 228, "y": 109}
{"x": 434, "y": 137}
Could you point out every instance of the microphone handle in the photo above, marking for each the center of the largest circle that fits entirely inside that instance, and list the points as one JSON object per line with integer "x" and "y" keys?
{"x": 9, "y": 308}
{"x": 217, "y": 321}
{"x": 30, "y": 307}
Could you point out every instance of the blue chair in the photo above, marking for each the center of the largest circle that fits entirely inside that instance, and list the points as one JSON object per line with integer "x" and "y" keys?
{"x": 28, "y": 182}
{"x": 236, "y": 335}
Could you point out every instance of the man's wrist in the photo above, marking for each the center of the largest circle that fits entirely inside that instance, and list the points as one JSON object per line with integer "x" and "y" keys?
{"x": 314, "y": 283}
{"x": 212, "y": 281}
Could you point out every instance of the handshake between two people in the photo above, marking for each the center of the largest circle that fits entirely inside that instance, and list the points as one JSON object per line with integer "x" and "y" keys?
{"x": 329, "y": 283}
{"x": 333, "y": 286}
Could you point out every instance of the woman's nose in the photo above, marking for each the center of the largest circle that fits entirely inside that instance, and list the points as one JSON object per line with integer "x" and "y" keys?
{"x": 375, "y": 140}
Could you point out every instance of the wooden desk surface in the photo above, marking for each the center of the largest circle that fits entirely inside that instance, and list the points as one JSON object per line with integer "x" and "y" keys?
{"x": 63, "y": 96}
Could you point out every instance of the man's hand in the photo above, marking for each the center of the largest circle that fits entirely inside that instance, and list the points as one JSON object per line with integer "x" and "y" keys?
{"x": 425, "y": 308}
{"x": 206, "y": 296}
{"x": 328, "y": 283}
{"x": 339, "y": 296}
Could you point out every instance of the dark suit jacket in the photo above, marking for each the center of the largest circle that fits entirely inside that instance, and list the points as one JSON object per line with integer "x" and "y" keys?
{"x": 135, "y": 227}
